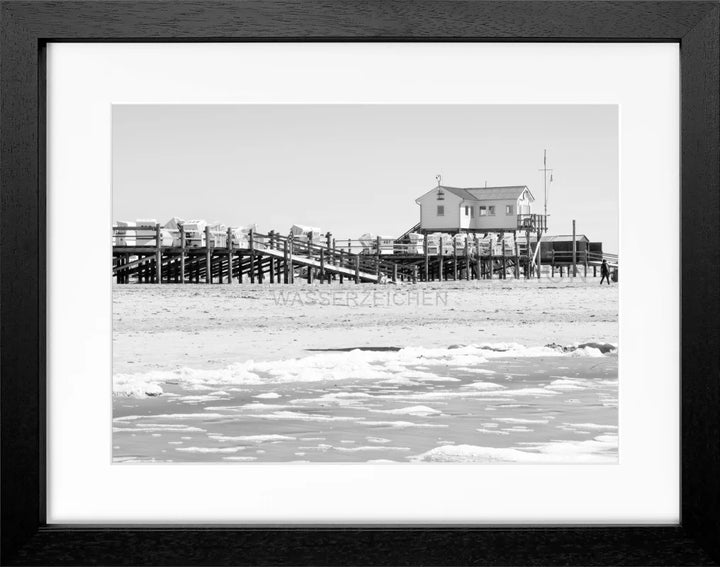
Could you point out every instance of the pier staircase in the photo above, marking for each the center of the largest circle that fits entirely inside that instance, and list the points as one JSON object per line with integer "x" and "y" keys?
{"x": 405, "y": 234}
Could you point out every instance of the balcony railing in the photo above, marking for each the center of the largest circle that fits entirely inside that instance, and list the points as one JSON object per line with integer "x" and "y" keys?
{"x": 532, "y": 222}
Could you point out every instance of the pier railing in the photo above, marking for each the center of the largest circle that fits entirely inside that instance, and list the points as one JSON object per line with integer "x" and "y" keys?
{"x": 433, "y": 244}
{"x": 461, "y": 245}
{"x": 579, "y": 257}
{"x": 532, "y": 222}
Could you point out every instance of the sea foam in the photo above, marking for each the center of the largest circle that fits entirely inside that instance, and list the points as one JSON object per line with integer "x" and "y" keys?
{"x": 601, "y": 449}
{"x": 390, "y": 366}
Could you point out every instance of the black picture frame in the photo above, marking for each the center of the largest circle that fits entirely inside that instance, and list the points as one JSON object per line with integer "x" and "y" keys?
{"x": 25, "y": 29}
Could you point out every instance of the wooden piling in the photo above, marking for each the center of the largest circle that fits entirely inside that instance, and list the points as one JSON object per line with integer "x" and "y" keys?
{"x": 271, "y": 259}
{"x": 276, "y": 246}
{"x": 286, "y": 262}
{"x": 357, "y": 269}
{"x": 491, "y": 259}
{"x": 504, "y": 259}
{"x": 333, "y": 259}
{"x": 309, "y": 254}
{"x": 251, "y": 245}
{"x": 455, "y": 260}
{"x": 527, "y": 255}
{"x": 158, "y": 255}
{"x": 208, "y": 256}
{"x": 427, "y": 257}
{"x": 183, "y": 245}
{"x": 441, "y": 260}
{"x": 574, "y": 249}
{"x": 478, "y": 259}
{"x": 467, "y": 257}
{"x": 229, "y": 246}
{"x": 322, "y": 265}
{"x": 539, "y": 255}
{"x": 290, "y": 259}
{"x": 377, "y": 259}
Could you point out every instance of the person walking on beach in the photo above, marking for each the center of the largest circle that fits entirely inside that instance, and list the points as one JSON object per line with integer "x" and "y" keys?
{"x": 604, "y": 272}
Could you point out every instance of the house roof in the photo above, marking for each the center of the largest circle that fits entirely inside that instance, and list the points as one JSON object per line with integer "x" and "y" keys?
{"x": 488, "y": 193}
{"x": 565, "y": 238}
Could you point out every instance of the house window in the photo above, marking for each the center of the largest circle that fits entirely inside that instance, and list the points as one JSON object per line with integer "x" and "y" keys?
{"x": 483, "y": 210}
{"x": 467, "y": 212}
{"x": 508, "y": 209}
{"x": 491, "y": 209}
{"x": 441, "y": 210}
{"x": 472, "y": 212}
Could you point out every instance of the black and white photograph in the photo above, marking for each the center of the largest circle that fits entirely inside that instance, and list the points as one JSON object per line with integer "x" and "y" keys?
{"x": 365, "y": 283}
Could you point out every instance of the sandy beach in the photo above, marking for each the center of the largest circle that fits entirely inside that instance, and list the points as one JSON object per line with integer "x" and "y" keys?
{"x": 211, "y": 326}
{"x": 498, "y": 371}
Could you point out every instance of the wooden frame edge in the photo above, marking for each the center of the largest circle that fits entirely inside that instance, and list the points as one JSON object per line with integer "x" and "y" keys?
{"x": 24, "y": 28}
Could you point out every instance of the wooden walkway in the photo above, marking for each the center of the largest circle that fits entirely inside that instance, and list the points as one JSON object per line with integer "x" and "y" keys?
{"x": 263, "y": 257}
{"x": 275, "y": 258}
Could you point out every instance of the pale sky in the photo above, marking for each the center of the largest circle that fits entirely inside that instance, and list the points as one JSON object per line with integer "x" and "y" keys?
{"x": 353, "y": 169}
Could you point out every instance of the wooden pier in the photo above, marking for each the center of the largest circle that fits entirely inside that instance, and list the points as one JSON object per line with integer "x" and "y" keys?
{"x": 148, "y": 257}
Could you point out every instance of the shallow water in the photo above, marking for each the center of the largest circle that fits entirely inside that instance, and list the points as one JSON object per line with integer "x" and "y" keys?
{"x": 526, "y": 409}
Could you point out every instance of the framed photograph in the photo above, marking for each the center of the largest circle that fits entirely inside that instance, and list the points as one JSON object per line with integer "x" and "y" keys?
{"x": 340, "y": 283}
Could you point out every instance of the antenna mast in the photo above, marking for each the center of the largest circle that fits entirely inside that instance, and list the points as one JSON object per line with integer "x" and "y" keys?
{"x": 545, "y": 172}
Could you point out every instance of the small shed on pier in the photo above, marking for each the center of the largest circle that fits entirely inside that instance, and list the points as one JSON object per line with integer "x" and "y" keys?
{"x": 562, "y": 246}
